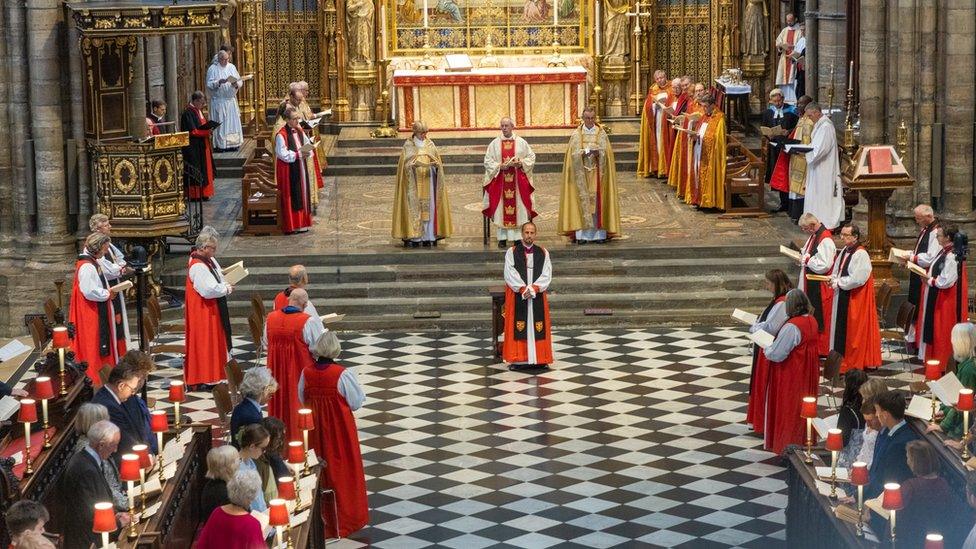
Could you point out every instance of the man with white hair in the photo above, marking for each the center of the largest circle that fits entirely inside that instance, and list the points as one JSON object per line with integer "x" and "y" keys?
{"x": 208, "y": 335}
{"x": 508, "y": 185}
{"x": 817, "y": 258}
{"x": 224, "y": 81}
{"x": 926, "y": 249}
{"x": 99, "y": 334}
{"x": 421, "y": 210}
{"x": 297, "y": 278}
{"x": 824, "y": 192}
{"x": 113, "y": 266}
{"x": 653, "y": 133}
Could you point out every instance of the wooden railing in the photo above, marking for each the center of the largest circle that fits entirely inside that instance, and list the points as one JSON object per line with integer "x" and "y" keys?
{"x": 259, "y": 194}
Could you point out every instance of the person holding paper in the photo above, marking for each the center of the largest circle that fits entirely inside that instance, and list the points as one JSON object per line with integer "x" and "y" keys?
{"x": 232, "y": 526}
{"x": 963, "y": 343}
{"x": 113, "y": 266}
{"x": 198, "y": 166}
{"x": 683, "y": 123}
{"x": 653, "y": 134}
{"x": 824, "y": 196}
{"x": 689, "y": 187}
{"x": 786, "y": 68}
{"x": 817, "y": 258}
{"x": 224, "y": 81}
{"x": 528, "y": 326}
{"x": 589, "y": 208}
{"x": 890, "y": 461}
{"x": 943, "y": 300}
{"x": 771, "y": 320}
{"x": 293, "y": 150}
{"x": 421, "y": 210}
{"x": 99, "y": 330}
{"x": 310, "y": 125}
{"x": 682, "y": 98}
{"x": 208, "y": 334}
{"x": 289, "y": 336}
{"x": 790, "y": 170}
{"x": 926, "y": 248}
{"x": 508, "y": 186}
{"x": 854, "y": 316}
{"x": 778, "y": 120}
{"x": 711, "y": 155}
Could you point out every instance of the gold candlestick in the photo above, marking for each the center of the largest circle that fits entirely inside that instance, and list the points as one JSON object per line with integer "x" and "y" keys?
{"x": 555, "y": 60}
{"x": 28, "y": 468}
{"x": 860, "y": 511}
{"x": 965, "y": 436}
{"x": 427, "y": 63}
{"x": 385, "y": 130}
{"x": 47, "y": 438}
{"x": 64, "y": 390}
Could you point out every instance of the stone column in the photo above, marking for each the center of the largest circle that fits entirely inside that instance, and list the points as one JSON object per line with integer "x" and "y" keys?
{"x": 927, "y": 62}
{"x": 19, "y": 130}
{"x": 85, "y": 194}
{"x": 6, "y": 173}
{"x": 155, "y": 76}
{"x": 174, "y": 100}
{"x": 831, "y": 53}
{"x": 137, "y": 92}
{"x": 959, "y": 100}
{"x": 811, "y": 20}
{"x": 871, "y": 74}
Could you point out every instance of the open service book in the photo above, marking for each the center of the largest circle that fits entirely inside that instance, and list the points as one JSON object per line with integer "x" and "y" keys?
{"x": 331, "y": 318}
{"x": 897, "y": 255}
{"x": 920, "y": 407}
{"x": 744, "y": 317}
{"x": 946, "y": 389}
{"x": 762, "y": 338}
{"x": 790, "y": 253}
{"x": 121, "y": 286}
{"x": 234, "y": 276}
{"x": 917, "y": 269}
{"x": 233, "y": 79}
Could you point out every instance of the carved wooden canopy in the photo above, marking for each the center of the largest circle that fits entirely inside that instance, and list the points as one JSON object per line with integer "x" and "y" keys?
{"x": 107, "y": 18}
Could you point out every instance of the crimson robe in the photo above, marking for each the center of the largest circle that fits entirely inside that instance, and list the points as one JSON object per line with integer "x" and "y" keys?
{"x": 857, "y": 334}
{"x": 914, "y": 280}
{"x": 294, "y": 200}
{"x": 820, "y": 293}
{"x": 756, "y": 408}
{"x": 95, "y": 323}
{"x": 515, "y": 347}
{"x": 281, "y": 299}
{"x": 207, "y": 333}
{"x": 940, "y": 310}
{"x": 790, "y": 381}
{"x": 336, "y": 440}
{"x": 198, "y": 164}
{"x": 288, "y": 354}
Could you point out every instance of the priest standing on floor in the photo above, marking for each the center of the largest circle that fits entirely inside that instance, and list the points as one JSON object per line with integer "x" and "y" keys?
{"x": 421, "y": 211}
{"x": 291, "y": 174}
{"x": 99, "y": 334}
{"x": 198, "y": 168}
{"x": 817, "y": 258}
{"x": 297, "y": 278}
{"x": 943, "y": 300}
{"x": 508, "y": 187}
{"x": 786, "y": 68}
{"x": 782, "y": 117}
{"x": 711, "y": 155}
{"x": 528, "y": 330}
{"x": 926, "y": 248}
{"x": 589, "y": 209}
{"x": 650, "y": 148}
{"x": 113, "y": 267}
{"x": 223, "y": 102}
{"x": 208, "y": 335}
{"x": 824, "y": 193}
{"x": 854, "y": 318}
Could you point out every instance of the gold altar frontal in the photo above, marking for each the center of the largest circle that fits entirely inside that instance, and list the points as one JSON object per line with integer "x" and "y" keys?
{"x": 535, "y": 97}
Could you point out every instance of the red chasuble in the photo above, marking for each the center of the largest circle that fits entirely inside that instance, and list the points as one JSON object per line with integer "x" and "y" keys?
{"x": 207, "y": 191}
{"x": 287, "y": 355}
{"x": 293, "y": 188}
{"x": 515, "y": 348}
{"x": 820, "y": 293}
{"x": 756, "y": 409}
{"x": 941, "y": 309}
{"x": 502, "y": 189}
{"x": 856, "y": 335}
{"x": 336, "y": 440}
{"x": 206, "y": 338}
{"x": 790, "y": 381}
{"x": 94, "y": 324}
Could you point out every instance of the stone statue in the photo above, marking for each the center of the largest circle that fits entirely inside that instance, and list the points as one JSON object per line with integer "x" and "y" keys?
{"x": 616, "y": 35}
{"x": 755, "y": 38}
{"x": 359, "y": 28}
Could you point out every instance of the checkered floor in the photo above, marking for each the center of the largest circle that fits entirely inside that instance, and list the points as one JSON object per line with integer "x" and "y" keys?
{"x": 633, "y": 439}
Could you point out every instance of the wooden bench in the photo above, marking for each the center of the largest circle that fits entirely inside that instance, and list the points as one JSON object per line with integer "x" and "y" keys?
{"x": 259, "y": 195}
{"x": 743, "y": 180}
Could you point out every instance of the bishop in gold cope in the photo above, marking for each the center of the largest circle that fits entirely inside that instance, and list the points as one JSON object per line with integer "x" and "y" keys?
{"x": 589, "y": 209}
{"x": 421, "y": 212}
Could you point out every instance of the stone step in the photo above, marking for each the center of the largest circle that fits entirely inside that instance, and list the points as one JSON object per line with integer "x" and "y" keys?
{"x": 465, "y": 168}
{"x": 384, "y": 157}
{"x": 475, "y": 140}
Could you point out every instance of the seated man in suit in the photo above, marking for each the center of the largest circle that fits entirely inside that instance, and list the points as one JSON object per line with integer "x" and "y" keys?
{"x": 256, "y": 388}
{"x": 890, "y": 463}
{"x": 82, "y": 485}
{"x": 132, "y": 418}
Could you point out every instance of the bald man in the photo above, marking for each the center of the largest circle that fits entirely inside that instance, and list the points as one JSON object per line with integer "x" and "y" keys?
{"x": 508, "y": 183}
{"x": 297, "y": 278}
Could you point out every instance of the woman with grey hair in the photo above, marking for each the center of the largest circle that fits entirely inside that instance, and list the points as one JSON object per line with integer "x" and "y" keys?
{"x": 256, "y": 389}
{"x": 421, "y": 210}
{"x": 99, "y": 331}
{"x": 332, "y": 393}
{"x": 222, "y": 464}
{"x": 88, "y": 415}
{"x": 231, "y": 526}
{"x": 208, "y": 335}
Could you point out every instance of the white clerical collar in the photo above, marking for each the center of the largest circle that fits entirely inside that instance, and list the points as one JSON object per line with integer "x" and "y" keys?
{"x": 590, "y": 130}
{"x": 528, "y": 247}
{"x": 508, "y": 138}
{"x": 777, "y": 111}
{"x": 419, "y": 142}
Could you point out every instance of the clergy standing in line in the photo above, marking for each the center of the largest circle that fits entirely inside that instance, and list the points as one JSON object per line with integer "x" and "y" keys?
{"x": 711, "y": 155}
{"x": 650, "y": 150}
{"x": 421, "y": 211}
{"x": 113, "y": 267}
{"x": 318, "y": 163}
{"x": 297, "y": 278}
{"x": 782, "y": 116}
{"x": 824, "y": 193}
{"x": 508, "y": 187}
{"x": 292, "y": 175}
{"x": 944, "y": 300}
{"x": 926, "y": 248}
{"x": 790, "y": 170}
{"x": 208, "y": 333}
{"x": 817, "y": 258}
{"x": 854, "y": 318}
{"x": 198, "y": 167}
{"x": 99, "y": 334}
{"x": 528, "y": 330}
{"x": 786, "y": 68}
{"x": 688, "y": 187}
{"x": 223, "y": 102}
{"x": 289, "y": 336}
{"x": 770, "y": 321}
{"x": 682, "y": 100}
{"x": 589, "y": 208}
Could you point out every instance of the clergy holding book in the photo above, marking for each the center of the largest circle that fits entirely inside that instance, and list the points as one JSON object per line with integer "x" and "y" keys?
{"x": 817, "y": 259}
{"x": 208, "y": 335}
{"x": 528, "y": 329}
{"x": 824, "y": 196}
{"x": 421, "y": 211}
{"x": 224, "y": 82}
{"x": 113, "y": 266}
{"x": 589, "y": 208}
{"x": 778, "y": 121}
{"x": 770, "y": 321}
{"x": 508, "y": 186}
{"x": 926, "y": 248}
{"x": 198, "y": 166}
{"x": 653, "y": 130}
{"x": 854, "y": 318}
{"x": 293, "y": 150}
{"x": 944, "y": 299}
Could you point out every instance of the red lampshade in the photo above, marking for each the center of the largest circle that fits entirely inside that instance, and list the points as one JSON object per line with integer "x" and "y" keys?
{"x": 892, "y": 497}
{"x": 28, "y": 411}
{"x": 158, "y": 421}
{"x": 176, "y": 393}
{"x": 859, "y": 473}
{"x": 60, "y": 338}
{"x": 933, "y": 370}
{"x": 933, "y": 541}
{"x": 296, "y": 452}
{"x": 305, "y": 420}
{"x": 808, "y": 408}
{"x": 129, "y": 468}
{"x": 965, "y": 402}
{"x": 277, "y": 513}
{"x": 43, "y": 388}
{"x": 286, "y": 488}
{"x": 142, "y": 451}
{"x": 104, "y": 517}
{"x": 835, "y": 440}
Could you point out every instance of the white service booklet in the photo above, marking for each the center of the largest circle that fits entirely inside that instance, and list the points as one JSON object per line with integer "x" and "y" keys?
{"x": 745, "y": 317}
{"x": 920, "y": 407}
{"x": 12, "y": 349}
{"x": 762, "y": 338}
{"x": 946, "y": 389}
{"x": 822, "y": 425}
{"x": 790, "y": 253}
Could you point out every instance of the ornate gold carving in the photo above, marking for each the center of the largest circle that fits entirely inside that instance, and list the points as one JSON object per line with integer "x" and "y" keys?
{"x": 173, "y": 20}
{"x": 171, "y": 140}
{"x": 165, "y": 208}
{"x": 126, "y": 210}
{"x": 124, "y": 176}
{"x": 163, "y": 174}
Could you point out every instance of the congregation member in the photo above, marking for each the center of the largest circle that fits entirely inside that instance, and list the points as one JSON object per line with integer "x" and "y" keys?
{"x": 222, "y": 464}
{"x": 119, "y": 395}
{"x": 770, "y": 320}
{"x": 25, "y": 521}
{"x": 224, "y": 82}
{"x": 790, "y": 170}
{"x": 272, "y": 463}
{"x": 786, "y": 68}
{"x": 926, "y": 248}
{"x": 256, "y": 389}
{"x": 711, "y": 155}
{"x": 99, "y": 336}
{"x": 943, "y": 300}
{"x": 231, "y": 526}
{"x": 198, "y": 166}
{"x": 508, "y": 186}
{"x": 156, "y": 116}
{"x": 528, "y": 326}
{"x": 817, "y": 257}
{"x": 861, "y": 445}
{"x": 782, "y": 117}
{"x": 289, "y": 336}
{"x": 254, "y": 441}
{"x": 854, "y": 318}
{"x": 963, "y": 341}
{"x": 208, "y": 335}
{"x": 794, "y": 370}
{"x": 421, "y": 209}
{"x": 890, "y": 462}
{"x": 292, "y": 174}
{"x": 823, "y": 192}
{"x": 114, "y": 267}
{"x": 332, "y": 392}
{"x": 589, "y": 206}
{"x": 850, "y": 420}
{"x": 653, "y": 133}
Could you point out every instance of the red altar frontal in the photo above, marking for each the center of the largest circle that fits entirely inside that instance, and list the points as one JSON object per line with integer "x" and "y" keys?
{"x": 535, "y": 97}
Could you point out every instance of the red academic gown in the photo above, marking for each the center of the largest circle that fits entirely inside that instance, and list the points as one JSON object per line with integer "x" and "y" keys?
{"x": 515, "y": 348}
{"x": 790, "y": 381}
{"x": 756, "y": 408}
{"x": 856, "y": 335}
{"x": 336, "y": 440}
{"x": 681, "y": 103}
{"x": 288, "y": 354}
{"x": 207, "y": 333}
{"x": 820, "y": 293}
{"x": 940, "y": 310}
{"x": 95, "y": 325}
{"x": 293, "y": 188}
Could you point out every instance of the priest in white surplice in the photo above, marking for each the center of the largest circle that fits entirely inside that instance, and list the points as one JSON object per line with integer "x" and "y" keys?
{"x": 508, "y": 187}
{"x": 786, "y": 69}
{"x": 223, "y": 103}
{"x": 824, "y": 193}
{"x": 114, "y": 267}
{"x": 528, "y": 330}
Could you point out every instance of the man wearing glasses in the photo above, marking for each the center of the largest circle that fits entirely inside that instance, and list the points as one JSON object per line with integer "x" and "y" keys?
{"x": 120, "y": 396}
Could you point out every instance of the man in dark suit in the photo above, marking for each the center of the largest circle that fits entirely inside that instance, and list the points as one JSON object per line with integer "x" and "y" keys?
{"x": 890, "y": 463}
{"x": 778, "y": 115}
{"x": 124, "y": 407}
{"x": 83, "y": 484}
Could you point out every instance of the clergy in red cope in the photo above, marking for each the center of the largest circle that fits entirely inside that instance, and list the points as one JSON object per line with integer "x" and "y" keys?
{"x": 208, "y": 336}
{"x": 293, "y": 150}
{"x": 528, "y": 330}
{"x": 508, "y": 183}
{"x": 944, "y": 301}
{"x": 99, "y": 332}
{"x": 854, "y": 318}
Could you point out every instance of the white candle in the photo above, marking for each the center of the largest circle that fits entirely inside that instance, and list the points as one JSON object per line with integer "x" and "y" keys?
{"x": 850, "y": 78}
{"x": 425, "y": 14}
{"x": 383, "y": 28}
{"x": 555, "y": 15}
{"x": 596, "y": 23}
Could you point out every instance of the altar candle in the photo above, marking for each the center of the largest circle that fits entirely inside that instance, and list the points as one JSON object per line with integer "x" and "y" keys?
{"x": 555, "y": 16}
{"x": 596, "y": 24}
{"x": 383, "y": 28}
{"x": 850, "y": 78}
{"x": 425, "y": 14}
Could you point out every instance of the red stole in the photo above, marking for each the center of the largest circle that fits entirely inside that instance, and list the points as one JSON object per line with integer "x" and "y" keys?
{"x": 939, "y": 310}
{"x": 206, "y": 343}
{"x": 287, "y": 355}
{"x": 293, "y": 189}
{"x": 790, "y": 62}
{"x": 504, "y": 187}
{"x": 820, "y": 293}
{"x": 856, "y": 335}
{"x": 790, "y": 381}
{"x": 756, "y": 408}
{"x": 85, "y": 317}
{"x": 779, "y": 180}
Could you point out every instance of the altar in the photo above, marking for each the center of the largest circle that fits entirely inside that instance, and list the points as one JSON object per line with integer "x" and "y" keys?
{"x": 535, "y": 97}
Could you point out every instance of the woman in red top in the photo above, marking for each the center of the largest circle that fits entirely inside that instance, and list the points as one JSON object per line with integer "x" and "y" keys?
{"x": 333, "y": 393}
{"x": 771, "y": 320}
{"x": 231, "y": 526}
